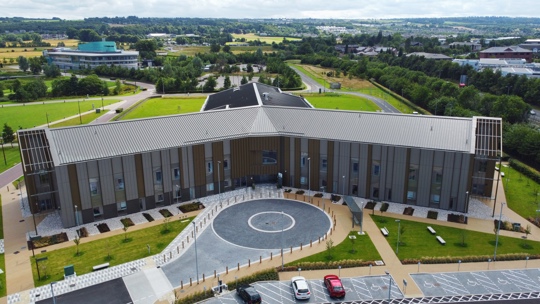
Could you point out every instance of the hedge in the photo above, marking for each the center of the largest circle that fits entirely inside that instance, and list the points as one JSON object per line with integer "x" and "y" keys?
{"x": 525, "y": 170}
{"x": 471, "y": 258}
{"x": 326, "y": 265}
{"x": 401, "y": 99}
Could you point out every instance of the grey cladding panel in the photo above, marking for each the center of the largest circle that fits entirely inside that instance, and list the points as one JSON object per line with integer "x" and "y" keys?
{"x": 107, "y": 182}
{"x": 130, "y": 177}
{"x": 424, "y": 179}
{"x": 167, "y": 173}
{"x": 400, "y": 174}
{"x": 93, "y": 171}
{"x": 446, "y": 191}
{"x": 174, "y": 155}
{"x": 84, "y": 186}
{"x": 148, "y": 174}
{"x": 64, "y": 194}
{"x": 208, "y": 150}
{"x": 117, "y": 165}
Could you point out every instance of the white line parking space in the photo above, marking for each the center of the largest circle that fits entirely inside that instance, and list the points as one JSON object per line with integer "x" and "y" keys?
{"x": 476, "y": 283}
{"x": 357, "y": 289}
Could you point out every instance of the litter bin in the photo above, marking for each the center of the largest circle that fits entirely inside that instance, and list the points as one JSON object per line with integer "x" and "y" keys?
{"x": 98, "y": 110}
{"x": 516, "y": 226}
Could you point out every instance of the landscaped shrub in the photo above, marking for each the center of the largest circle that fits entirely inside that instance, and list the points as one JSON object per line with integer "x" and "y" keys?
{"x": 408, "y": 211}
{"x": 370, "y": 205}
{"x": 471, "y": 258}
{"x": 318, "y": 195}
{"x": 191, "y": 207}
{"x": 326, "y": 265}
{"x": 119, "y": 110}
{"x": 127, "y": 222}
{"x": 148, "y": 217}
{"x": 288, "y": 190}
{"x": 384, "y": 207}
{"x": 300, "y": 191}
{"x": 165, "y": 212}
{"x": 335, "y": 197}
{"x": 103, "y": 228}
{"x": 432, "y": 214}
{"x": 82, "y": 232}
{"x": 525, "y": 170}
{"x": 457, "y": 218}
{"x": 50, "y": 240}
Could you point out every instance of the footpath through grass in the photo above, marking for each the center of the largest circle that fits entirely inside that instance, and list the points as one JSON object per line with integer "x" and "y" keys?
{"x": 361, "y": 248}
{"x": 13, "y": 156}
{"x": 417, "y": 242}
{"x": 341, "y": 102}
{"x": 35, "y": 114}
{"x": 522, "y": 193}
{"x": 165, "y": 106}
{"x": 114, "y": 250}
{"x": 86, "y": 119}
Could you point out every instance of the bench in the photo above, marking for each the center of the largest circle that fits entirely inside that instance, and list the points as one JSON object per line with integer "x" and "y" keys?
{"x": 100, "y": 266}
{"x": 431, "y": 230}
{"x": 384, "y": 231}
{"x": 441, "y": 240}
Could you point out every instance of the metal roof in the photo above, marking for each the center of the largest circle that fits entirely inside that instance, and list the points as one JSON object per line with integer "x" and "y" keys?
{"x": 98, "y": 141}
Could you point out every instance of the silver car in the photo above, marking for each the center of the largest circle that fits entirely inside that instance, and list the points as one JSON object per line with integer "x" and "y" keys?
{"x": 300, "y": 288}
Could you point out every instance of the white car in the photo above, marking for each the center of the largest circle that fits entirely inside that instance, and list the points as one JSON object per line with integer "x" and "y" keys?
{"x": 300, "y": 288}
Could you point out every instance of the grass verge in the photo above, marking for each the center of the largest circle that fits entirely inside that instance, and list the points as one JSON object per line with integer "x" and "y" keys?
{"x": 417, "y": 242}
{"x": 522, "y": 193}
{"x": 86, "y": 119}
{"x": 341, "y": 102}
{"x": 114, "y": 250}
{"x": 12, "y": 156}
{"x": 165, "y": 106}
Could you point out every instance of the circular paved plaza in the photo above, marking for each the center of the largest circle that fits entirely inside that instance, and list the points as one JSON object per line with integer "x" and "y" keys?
{"x": 271, "y": 224}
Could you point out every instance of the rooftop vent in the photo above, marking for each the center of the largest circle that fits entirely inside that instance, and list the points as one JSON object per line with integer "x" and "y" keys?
{"x": 265, "y": 94}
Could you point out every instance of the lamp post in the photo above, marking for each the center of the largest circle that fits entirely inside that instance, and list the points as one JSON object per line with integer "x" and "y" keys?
{"x": 284, "y": 176}
{"x": 343, "y": 185}
{"x": 76, "y": 218}
{"x": 398, "y": 231}
{"x": 102, "y": 106}
{"x": 80, "y": 117}
{"x": 466, "y": 200}
{"x": 52, "y": 292}
{"x": 219, "y": 181}
{"x": 309, "y": 178}
{"x": 196, "y": 259}
{"x": 498, "y": 231}
{"x": 282, "y": 225}
{"x": 47, "y": 116}
{"x": 3, "y": 151}
{"x": 389, "y": 285}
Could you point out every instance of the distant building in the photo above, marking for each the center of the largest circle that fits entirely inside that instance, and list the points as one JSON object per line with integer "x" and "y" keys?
{"x": 432, "y": 56}
{"x": 157, "y": 35}
{"x": 507, "y": 52}
{"x": 91, "y": 54}
{"x": 470, "y": 45}
{"x": 532, "y": 45}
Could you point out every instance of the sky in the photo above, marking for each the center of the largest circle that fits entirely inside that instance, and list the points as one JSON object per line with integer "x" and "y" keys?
{"x": 337, "y": 9}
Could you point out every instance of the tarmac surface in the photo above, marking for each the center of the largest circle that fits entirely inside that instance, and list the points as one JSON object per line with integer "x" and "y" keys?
{"x": 111, "y": 292}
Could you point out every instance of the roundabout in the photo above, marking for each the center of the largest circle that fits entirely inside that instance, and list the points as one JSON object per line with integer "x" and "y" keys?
{"x": 271, "y": 224}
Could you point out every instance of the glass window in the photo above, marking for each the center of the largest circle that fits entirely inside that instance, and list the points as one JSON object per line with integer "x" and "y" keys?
{"x": 160, "y": 197}
{"x": 176, "y": 173}
{"x": 412, "y": 174}
{"x": 94, "y": 186}
{"x": 376, "y": 170}
{"x": 209, "y": 167}
{"x": 303, "y": 180}
{"x": 159, "y": 177}
{"x": 303, "y": 160}
{"x": 324, "y": 164}
{"x": 226, "y": 164}
{"x": 355, "y": 167}
{"x": 119, "y": 183}
{"x": 411, "y": 195}
{"x": 121, "y": 206}
{"x": 269, "y": 157}
{"x": 210, "y": 187}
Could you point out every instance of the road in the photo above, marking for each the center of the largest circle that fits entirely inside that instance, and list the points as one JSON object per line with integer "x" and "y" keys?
{"x": 314, "y": 86}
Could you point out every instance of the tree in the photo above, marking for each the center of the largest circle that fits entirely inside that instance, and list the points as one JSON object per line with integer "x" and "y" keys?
{"x": 23, "y": 63}
{"x": 51, "y": 70}
{"x": 214, "y": 48}
{"x": 227, "y": 82}
{"x": 125, "y": 228}
{"x": 7, "y": 134}
{"x": 118, "y": 87}
{"x": 401, "y": 232}
{"x": 77, "y": 241}
{"x": 88, "y": 35}
{"x": 527, "y": 231}
{"x": 35, "y": 65}
{"x": 249, "y": 68}
{"x": 227, "y": 48}
{"x": 329, "y": 249}
{"x": 243, "y": 81}
{"x": 147, "y": 48}
{"x": 210, "y": 84}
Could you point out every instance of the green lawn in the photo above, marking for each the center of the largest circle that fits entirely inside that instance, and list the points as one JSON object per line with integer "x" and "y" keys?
{"x": 359, "y": 249}
{"x": 96, "y": 252}
{"x": 77, "y": 121}
{"x": 341, "y": 102}
{"x": 418, "y": 242}
{"x": 266, "y": 39}
{"x": 522, "y": 193}
{"x": 165, "y": 106}
{"x": 34, "y": 114}
{"x": 13, "y": 156}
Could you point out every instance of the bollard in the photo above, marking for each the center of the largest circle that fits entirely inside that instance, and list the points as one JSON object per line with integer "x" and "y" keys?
{"x": 300, "y": 246}
{"x": 331, "y": 231}
{"x": 270, "y": 256}
{"x": 188, "y": 239}
{"x": 190, "y": 282}
{"x": 249, "y": 262}
{"x": 214, "y": 273}
{"x": 181, "y": 284}
{"x": 291, "y": 249}
{"x": 310, "y": 243}
{"x": 212, "y": 212}
{"x": 182, "y": 244}
{"x": 319, "y": 240}
{"x": 203, "y": 277}
{"x": 227, "y": 270}
{"x": 177, "y": 249}
{"x": 170, "y": 255}
{"x": 260, "y": 259}
{"x": 238, "y": 266}
{"x": 164, "y": 258}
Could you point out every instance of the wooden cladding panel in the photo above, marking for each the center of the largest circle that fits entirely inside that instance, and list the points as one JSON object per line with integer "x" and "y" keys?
{"x": 74, "y": 186}
{"x": 297, "y": 163}
{"x": 330, "y": 170}
{"x": 199, "y": 165}
{"x": 246, "y": 154}
{"x": 314, "y": 162}
{"x": 217, "y": 155}
{"x": 140, "y": 175}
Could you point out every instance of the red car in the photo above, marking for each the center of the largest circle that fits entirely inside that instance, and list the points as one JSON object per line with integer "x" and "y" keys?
{"x": 334, "y": 286}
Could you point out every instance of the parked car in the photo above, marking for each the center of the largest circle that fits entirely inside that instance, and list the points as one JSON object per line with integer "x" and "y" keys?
{"x": 334, "y": 286}
{"x": 300, "y": 288}
{"x": 248, "y": 294}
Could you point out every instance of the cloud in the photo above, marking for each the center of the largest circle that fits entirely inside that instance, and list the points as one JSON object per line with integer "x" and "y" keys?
{"x": 338, "y": 9}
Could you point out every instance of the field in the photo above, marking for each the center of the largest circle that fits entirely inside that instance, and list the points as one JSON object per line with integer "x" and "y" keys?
{"x": 35, "y": 114}
{"x": 361, "y": 248}
{"x": 115, "y": 250}
{"x": 266, "y": 39}
{"x": 13, "y": 156}
{"x": 8, "y": 53}
{"x": 341, "y": 102}
{"x": 165, "y": 106}
{"x": 418, "y": 242}
{"x": 353, "y": 85}
{"x": 193, "y": 50}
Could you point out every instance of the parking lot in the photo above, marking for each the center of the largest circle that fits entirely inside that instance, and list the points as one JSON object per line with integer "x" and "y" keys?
{"x": 482, "y": 282}
{"x": 357, "y": 288}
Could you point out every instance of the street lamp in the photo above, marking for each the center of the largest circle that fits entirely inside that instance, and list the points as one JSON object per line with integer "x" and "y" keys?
{"x": 498, "y": 231}
{"x": 3, "y": 151}
{"x": 219, "y": 181}
{"x": 466, "y": 201}
{"x": 102, "y": 106}
{"x": 282, "y": 225}
{"x": 76, "y": 219}
{"x": 389, "y": 285}
{"x": 47, "y": 115}
{"x": 80, "y": 117}
{"x": 52, "y": 292}
{"x": 344, "y": 185}
{"x": 309, "y": 178}
{"x": 398, "y": 231}
{"x": 196, "y": 260}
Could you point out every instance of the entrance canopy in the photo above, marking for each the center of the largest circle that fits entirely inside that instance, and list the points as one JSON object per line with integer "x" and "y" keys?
{"x": 357, "y": 209}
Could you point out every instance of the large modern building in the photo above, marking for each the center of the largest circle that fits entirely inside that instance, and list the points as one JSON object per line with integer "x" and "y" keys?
{"x": 106, "y": 170}
{"x": 507, "y": 52}
{"x": 91, "y": 54}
